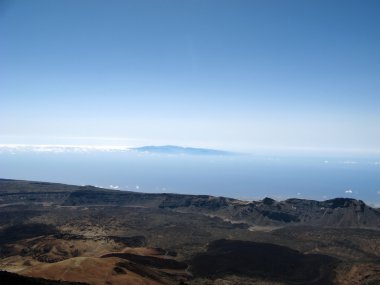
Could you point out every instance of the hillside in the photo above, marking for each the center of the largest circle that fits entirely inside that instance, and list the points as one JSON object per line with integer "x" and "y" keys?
{"x": 100, "y": 236}
{"x": 339, "y": 212}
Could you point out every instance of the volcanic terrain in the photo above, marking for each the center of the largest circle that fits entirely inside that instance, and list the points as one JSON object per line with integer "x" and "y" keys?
{"x": 63, "y": 234}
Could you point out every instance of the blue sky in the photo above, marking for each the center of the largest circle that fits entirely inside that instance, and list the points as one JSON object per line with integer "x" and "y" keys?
{"x": 239, "y": 75}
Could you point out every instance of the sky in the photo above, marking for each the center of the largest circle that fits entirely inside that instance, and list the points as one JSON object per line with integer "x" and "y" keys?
{"x": 235, "y": 75}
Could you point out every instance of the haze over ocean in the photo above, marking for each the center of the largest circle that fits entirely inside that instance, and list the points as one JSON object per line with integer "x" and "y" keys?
{"x": 294, "y": 84}
{"x": 242, "y": 176}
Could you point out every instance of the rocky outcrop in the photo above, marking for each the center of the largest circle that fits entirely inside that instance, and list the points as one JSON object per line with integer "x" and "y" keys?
{"x": 339, "y": 212}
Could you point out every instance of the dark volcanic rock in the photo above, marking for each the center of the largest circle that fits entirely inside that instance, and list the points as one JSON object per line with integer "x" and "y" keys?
{"x": 345, "y": 203}
{"x": 344, "y": 229}
{"x": 339, "y": 212}
{"x": 24, "y": 231}
{"x": 279, "y": 216}
{"x": 112, "y": 198}
{"x": 173, "y": 201}
{"x": 7, "y": 278}
{"x": 134, "y": 241}
{"x": 150, "y": 261}
{"x": 268, "y": 201}
{"x": 262, "y": 260}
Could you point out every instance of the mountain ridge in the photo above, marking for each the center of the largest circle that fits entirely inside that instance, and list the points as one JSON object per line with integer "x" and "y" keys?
{"x": 105, "y": 236}
{"x": 343, "y": 212}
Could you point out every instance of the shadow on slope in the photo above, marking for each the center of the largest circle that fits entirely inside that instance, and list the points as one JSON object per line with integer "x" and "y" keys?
{"x": 8, "y": 278}
{"x": 262, "y": 260}
{"x": 24, "y": 231}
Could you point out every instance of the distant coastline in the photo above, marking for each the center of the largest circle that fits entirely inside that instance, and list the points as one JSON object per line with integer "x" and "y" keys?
{"x": 165, "y": 149}
{"x": 173, "y": 149}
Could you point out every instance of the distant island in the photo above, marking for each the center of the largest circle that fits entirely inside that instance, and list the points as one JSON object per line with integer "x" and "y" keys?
{"x": 165, "y": 149}
{"x": 173, "y": 149}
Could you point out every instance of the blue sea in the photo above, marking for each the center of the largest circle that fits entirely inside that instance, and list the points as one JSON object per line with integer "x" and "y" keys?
{"x": 247, "y": 177}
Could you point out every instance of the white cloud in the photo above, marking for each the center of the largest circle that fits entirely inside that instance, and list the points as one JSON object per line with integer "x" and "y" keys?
{"x": 114, "y": 187}
{"x": 350, "y": 162}
{"x": 349, "y": 191}
{"x": 61, "y": 148}
{"x": 137, "y": 187}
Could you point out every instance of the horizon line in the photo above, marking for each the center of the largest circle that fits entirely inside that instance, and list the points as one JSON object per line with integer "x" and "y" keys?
{"x": 254, "y": 149}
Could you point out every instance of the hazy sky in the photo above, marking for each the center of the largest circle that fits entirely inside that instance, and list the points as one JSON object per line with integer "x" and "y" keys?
{"x": 225, "y": 74}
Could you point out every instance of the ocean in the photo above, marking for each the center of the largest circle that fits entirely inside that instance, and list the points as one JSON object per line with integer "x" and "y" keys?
{"x": 248, "y": 177}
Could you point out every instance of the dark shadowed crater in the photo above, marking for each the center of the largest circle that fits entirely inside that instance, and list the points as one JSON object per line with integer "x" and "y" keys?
{"x": 263, "y": 260}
